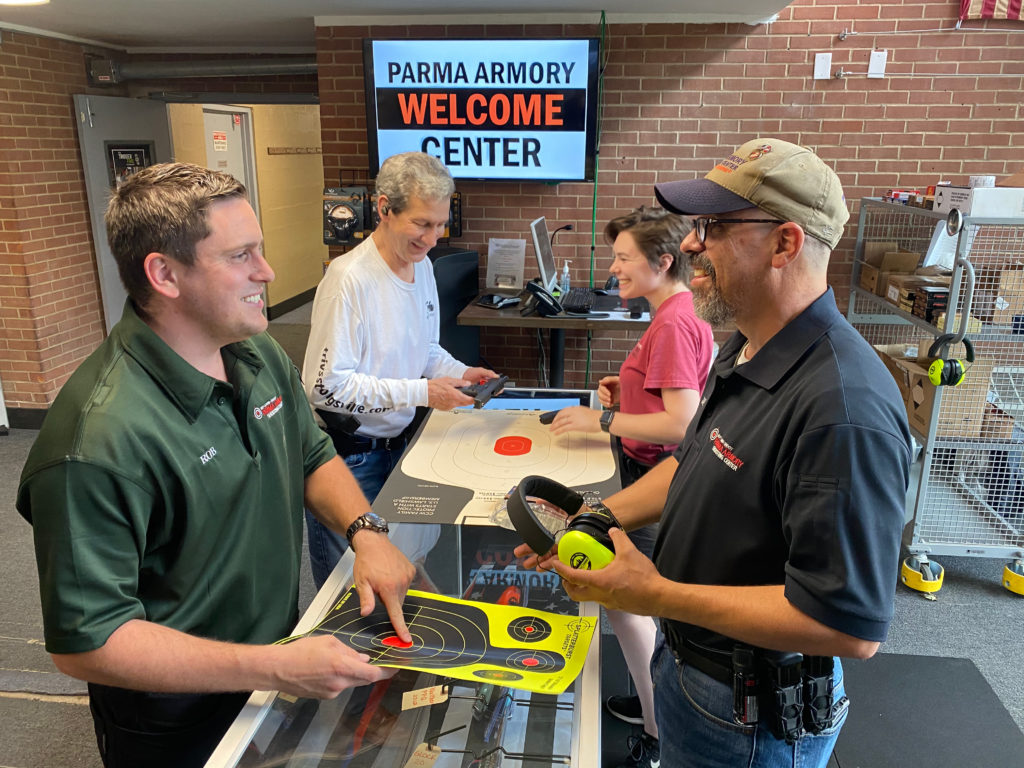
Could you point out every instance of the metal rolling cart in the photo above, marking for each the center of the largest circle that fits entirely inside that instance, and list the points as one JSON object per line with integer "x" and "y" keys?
{"x": 969, "y": 496}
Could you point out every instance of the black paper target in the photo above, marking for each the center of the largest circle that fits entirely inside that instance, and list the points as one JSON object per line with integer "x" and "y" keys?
{"x": 535, "y": 661}
{"x": 529, "y": 629}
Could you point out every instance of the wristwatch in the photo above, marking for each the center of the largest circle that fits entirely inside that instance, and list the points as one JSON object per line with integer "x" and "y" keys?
{"x": 606, "y": 420}
{"x": 370, "y": 520}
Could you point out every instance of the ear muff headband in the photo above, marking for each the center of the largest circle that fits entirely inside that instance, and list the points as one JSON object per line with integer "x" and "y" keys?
{"x": 948, "y": 372}
{"x": 585, "y": 544}
{"x": 525, "y": 520}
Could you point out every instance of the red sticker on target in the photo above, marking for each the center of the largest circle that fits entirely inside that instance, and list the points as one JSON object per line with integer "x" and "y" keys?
{"x": 513, "y": 445}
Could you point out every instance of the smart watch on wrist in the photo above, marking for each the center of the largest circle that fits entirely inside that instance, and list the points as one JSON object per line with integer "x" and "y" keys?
{"x": 606, "y": 420}
{"x": 370, "y": 520}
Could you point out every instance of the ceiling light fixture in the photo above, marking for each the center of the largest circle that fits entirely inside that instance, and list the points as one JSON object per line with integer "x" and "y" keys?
{"x": 24, "y": 2}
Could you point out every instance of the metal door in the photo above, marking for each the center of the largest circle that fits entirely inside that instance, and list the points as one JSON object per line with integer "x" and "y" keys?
{"x": 229, "y": 145}
{"x": 116, "y": 136}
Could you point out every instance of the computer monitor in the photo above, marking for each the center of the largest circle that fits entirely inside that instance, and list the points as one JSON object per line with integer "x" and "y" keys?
{"x": 545, "y": 257}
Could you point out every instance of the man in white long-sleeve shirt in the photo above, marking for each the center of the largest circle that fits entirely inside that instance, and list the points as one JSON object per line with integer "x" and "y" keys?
{"x": 373, "y": 349}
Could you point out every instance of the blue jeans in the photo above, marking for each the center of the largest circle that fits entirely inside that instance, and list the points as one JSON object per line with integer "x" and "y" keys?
{"x": 326, "y": 547}
{"x": 696, "y": 728}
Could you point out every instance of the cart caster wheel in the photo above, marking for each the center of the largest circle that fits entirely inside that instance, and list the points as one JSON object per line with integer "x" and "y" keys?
{"x": 1013, "y": 577}
{"x": 921, "y": 575}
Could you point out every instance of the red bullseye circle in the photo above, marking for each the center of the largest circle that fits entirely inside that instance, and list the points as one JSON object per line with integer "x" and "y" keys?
{"x": 513, "y": 445}
{"x": 531, "y": 662}
{"x": 528, "y": 629}
{"x": 396, "y": 642}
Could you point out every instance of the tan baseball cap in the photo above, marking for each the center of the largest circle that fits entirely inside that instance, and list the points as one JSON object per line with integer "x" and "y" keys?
{"x": 782, "y": 179}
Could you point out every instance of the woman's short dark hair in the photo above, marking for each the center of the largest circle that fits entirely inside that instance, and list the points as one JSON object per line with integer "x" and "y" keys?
{"x": 655, "y": 232}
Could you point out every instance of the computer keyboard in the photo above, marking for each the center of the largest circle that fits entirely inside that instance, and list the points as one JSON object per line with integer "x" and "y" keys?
{"x": 578, "y": 299}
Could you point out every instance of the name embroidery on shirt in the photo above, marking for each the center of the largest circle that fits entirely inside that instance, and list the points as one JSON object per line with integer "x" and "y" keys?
{"x": 268, "y": 409}
{"x": 208, "y": 456}
{"x": 724, "y": 451}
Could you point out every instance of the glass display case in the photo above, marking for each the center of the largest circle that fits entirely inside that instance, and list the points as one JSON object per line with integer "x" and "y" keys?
{"x": 480, "y": 723}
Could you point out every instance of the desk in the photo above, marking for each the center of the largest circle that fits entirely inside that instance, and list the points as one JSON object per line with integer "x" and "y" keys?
{"x": 510, "y": 318}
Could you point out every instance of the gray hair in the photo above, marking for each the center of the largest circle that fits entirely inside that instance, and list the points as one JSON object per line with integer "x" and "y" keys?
{"x": 411, "y": 175}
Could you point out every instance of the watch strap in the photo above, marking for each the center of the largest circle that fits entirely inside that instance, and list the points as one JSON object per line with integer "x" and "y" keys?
{"x": 366, "y": 521}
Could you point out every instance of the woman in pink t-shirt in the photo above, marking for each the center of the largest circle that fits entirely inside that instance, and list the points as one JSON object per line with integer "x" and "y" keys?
{"x": 650, "y": 404}
{"x": 658, "y": 387}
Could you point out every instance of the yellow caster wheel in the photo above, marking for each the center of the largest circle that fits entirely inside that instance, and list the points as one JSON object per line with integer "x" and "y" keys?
{"x": 921, "y": 574}
{"x": 1013, "y": 577}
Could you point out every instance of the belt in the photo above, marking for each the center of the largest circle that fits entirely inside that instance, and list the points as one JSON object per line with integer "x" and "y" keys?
{"x": 347, "y": 445}
{"x": 714, "y": 664}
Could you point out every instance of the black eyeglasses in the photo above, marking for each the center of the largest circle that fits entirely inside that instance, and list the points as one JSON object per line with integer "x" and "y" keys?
{"x": 702, "y": 226}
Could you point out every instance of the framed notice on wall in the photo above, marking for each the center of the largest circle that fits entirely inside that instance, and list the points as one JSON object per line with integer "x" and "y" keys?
{"x": 126, "y": 158}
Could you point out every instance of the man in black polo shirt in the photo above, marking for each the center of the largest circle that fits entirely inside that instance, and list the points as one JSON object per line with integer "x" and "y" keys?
{"x": 782, "y": 509}
{"x": 167, "y": 485}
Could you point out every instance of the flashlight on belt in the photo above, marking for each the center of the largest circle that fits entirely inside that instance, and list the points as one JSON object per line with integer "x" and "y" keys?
{"x": 744, "y": 686}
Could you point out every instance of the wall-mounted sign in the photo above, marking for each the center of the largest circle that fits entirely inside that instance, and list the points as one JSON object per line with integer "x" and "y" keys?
{"x": 488, "y": 109}
{"x": 124, "y": 159}
{"x": 220, "y": 141}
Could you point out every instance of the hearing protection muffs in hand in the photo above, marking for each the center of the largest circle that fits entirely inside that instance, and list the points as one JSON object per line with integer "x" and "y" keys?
{"x": 585, "y": 544}
{"x": 952, "y": 371}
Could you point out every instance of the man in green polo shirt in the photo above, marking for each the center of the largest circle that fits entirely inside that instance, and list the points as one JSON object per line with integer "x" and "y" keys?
{"x": 167, "y": 485}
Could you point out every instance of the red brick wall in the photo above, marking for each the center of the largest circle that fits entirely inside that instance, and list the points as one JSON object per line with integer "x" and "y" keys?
{"x": 678, "y": 97}
{"x": 49, "y": 295}
{"x": 50, "y": 311}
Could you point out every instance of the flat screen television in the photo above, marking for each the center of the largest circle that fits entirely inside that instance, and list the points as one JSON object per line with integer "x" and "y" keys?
{"x": 510, "y": 110}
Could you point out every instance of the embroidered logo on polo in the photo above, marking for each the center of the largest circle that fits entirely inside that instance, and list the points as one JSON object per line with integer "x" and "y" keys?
{"x": 724, "y": 451}
{"x": 208, "y": 456}
{"x": 268, "y": 409}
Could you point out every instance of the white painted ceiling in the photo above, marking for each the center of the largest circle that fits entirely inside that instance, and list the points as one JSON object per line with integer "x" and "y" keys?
{"x": 289, "y": 25}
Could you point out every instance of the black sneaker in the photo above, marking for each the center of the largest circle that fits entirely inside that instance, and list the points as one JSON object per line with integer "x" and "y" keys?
{"x": 644, "y": 752}
{"x": 625, "y": 708}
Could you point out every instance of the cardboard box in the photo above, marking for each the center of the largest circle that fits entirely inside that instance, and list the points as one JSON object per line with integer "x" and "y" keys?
{"x": 981, "y": 202}
{"x": 875, "y": 250}
{"x": 1016, "y": 180}
{"x": 872, "y": 279}
{"x": 874, "y": 275}
{"x": 948, "y": 197}
{"x": 930, "y": 301}
{"x": 997, "y": 424}
{"x": 900, "y": 289}
{"x": 996, "y": 202}
{"x": 1009, "y": 300}
{"x": 962, "y": 408}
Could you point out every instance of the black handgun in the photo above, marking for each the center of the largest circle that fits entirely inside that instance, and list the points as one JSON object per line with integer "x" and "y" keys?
{"x": 484, "y": 390}
{"x": 548, "y": 416}
{"x": 343, "y": 423}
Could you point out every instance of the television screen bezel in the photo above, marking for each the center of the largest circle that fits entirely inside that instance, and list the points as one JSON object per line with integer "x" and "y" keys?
{"x": 593, "y": 76}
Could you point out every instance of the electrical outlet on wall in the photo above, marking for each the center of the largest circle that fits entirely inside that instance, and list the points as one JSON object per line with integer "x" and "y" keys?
{"x": 822, "y": 66}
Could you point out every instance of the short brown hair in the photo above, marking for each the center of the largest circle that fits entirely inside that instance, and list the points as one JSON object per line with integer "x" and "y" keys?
{"x": 162, "y": 209}
{"x": 655, "y": 231}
